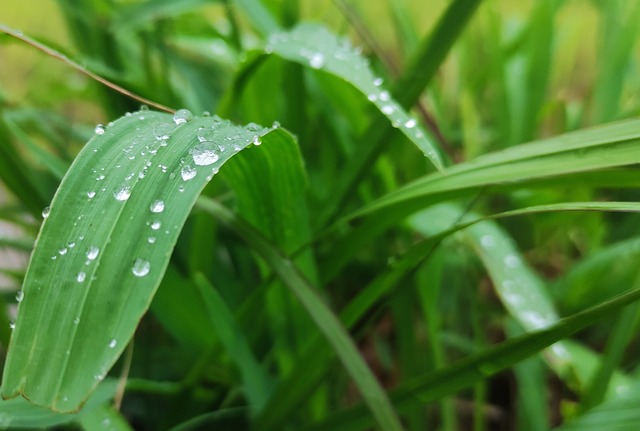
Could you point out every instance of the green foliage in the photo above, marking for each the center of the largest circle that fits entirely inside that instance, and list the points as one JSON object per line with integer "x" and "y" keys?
{"x": 387, "y": 252}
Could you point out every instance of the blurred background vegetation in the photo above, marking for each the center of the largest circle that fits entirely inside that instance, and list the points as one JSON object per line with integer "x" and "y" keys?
{"x": 519, "y": 71}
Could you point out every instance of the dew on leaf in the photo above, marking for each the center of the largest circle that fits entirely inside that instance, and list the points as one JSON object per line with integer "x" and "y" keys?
{"x": 156, "y": 225}
{"x": 123, "y": 193}
{"x": 46, "y": 211}
{"x": 182, "y": 116}
{"x": 205, "y": 153}
{"x": 100, "y": 129}
{"x": 81, "y": 277}
{"x": 19, "y": 295}
{"x": 140, "y": 267}
{"x": 317, "y": 60}
{"x": 157, "y": 206}
{"x": 92, "y": 252}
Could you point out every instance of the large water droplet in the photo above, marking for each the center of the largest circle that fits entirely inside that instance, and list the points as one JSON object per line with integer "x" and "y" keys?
{"x": 123, "y": 193}
{"x": 188, "y": 172}
{"x": 45, "y": 212}
{"x": 205, "y": 153}
{"x": 140, "y": 267}
{"x": 182, "y": 116}
{"x": 100, "y": 129}
{"x": 92, "y": 253}
{"x": 157, "y": 206}
{"x": 317, "y": 60}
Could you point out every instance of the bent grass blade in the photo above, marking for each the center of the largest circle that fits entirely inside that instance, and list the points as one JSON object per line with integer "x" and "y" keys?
{"x": 104, "y": 247}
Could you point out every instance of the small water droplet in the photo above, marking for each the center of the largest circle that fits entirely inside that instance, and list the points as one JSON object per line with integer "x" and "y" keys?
{"x": 91, "y": 195}
{"x": 182, "y": 116}
{"x": 46, "y": 211}
{"x": 19, "y": 295}
{"x": 157, "y": 206}
{"x": 71, "y": 244}
{"x": 81, "y": 277}
{"x": 378, "y": 82}
{"x": 512, "y": 261}
{"x": 188, "y": 172}
{"x": 372, "y": 97}
{"x": 181, "y": 188}
{"x": 385, "y": 96}
{"x": 12, "y": 325}
{"x": 113, "y": 343}
{"x": 388, "y": 109}
{"x": 487, "y": 241}
{"x": 317, "y": 60}
{"x": 205, "y": 153}
{"x": 100, "y": 129}
{"x": 156, "y": 225}
{"x": 161, "y": 131}
{"x": 123, "y": 193}
{"x": 410, "y": 123}
{"x": 151, "y": 239}
{"x": 92, "y": 252}
{"x": 62, "y": 251}
{"x": 256, "y": 140}
{"x": 140, "y": 267}
{"x": 76, "y": 320}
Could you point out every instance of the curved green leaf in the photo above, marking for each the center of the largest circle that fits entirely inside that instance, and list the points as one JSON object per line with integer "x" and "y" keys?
{"x": 315, "y": 46}
{"x": 105, "y": 245}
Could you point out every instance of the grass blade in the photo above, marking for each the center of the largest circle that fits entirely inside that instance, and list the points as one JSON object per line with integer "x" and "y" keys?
{"x": 105, "y": 245}
{"x": 327, "y": 322}
{"x": 316, "y": 47}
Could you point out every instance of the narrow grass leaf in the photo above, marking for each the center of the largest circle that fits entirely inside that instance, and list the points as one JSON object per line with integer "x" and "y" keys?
{"x": 104, "y": 246}
{"x": 255, "y": 379}
{"x": 472, "y": 369}
{"x": 316, "y": 47}
{"x": 327, "y": 322}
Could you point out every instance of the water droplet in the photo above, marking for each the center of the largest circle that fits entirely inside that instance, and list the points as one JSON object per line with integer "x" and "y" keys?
{"x": 206, "y": 135}
{"x": 92, "y": 252}
{"x": 19, "y": 295}
{"x": 512, "y": 261}
{"x": 385, "y": 96}
{"x": 410, "y": 123}
{"x": 140, "y": 267}
{"x": 63, "y": 251}
{"x": 161, "y": 131}
{"x": 256, "y": 140}
{"x": 157, "y": 206}
{"x": 156, "y": 225}
{"x": 206, "y": 114}
{"x": 388, "y": 109}
{"x": 188, "y": 172}
{"x": 113, "y": 343}
{"x": 100, "y": 178}
{"x": 181, "y": 188}
{"x": 91, "y": 195}
{"x": 182, "y": 116}
{"x": 372, "y": 97}
{"x": 123, "y": 193}
{"x": 151, "y": 239}
{"x": 45, "y": 212}
{"x": 12, "y": 325}
{"x": 81, "y": 276}
{"x": 71, "y": 244}
{"x": 378, "y": 82}
{"x": 205, "y": 153}
{"x": 317, "y": 60}
{"x": 487, "y": 241}
{"x": 100, "y": 129}
{"x": 76, "y": 320}
{"x": 54, "y": 257}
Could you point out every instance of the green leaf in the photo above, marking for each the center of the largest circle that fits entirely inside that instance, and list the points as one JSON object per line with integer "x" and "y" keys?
{"x": 489, "y": 362}
{"x": 105, "y": 245}
{"x": 326, "y": 321}
{"x": 20, "y": 413}
{"x": 314, "y": 46}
